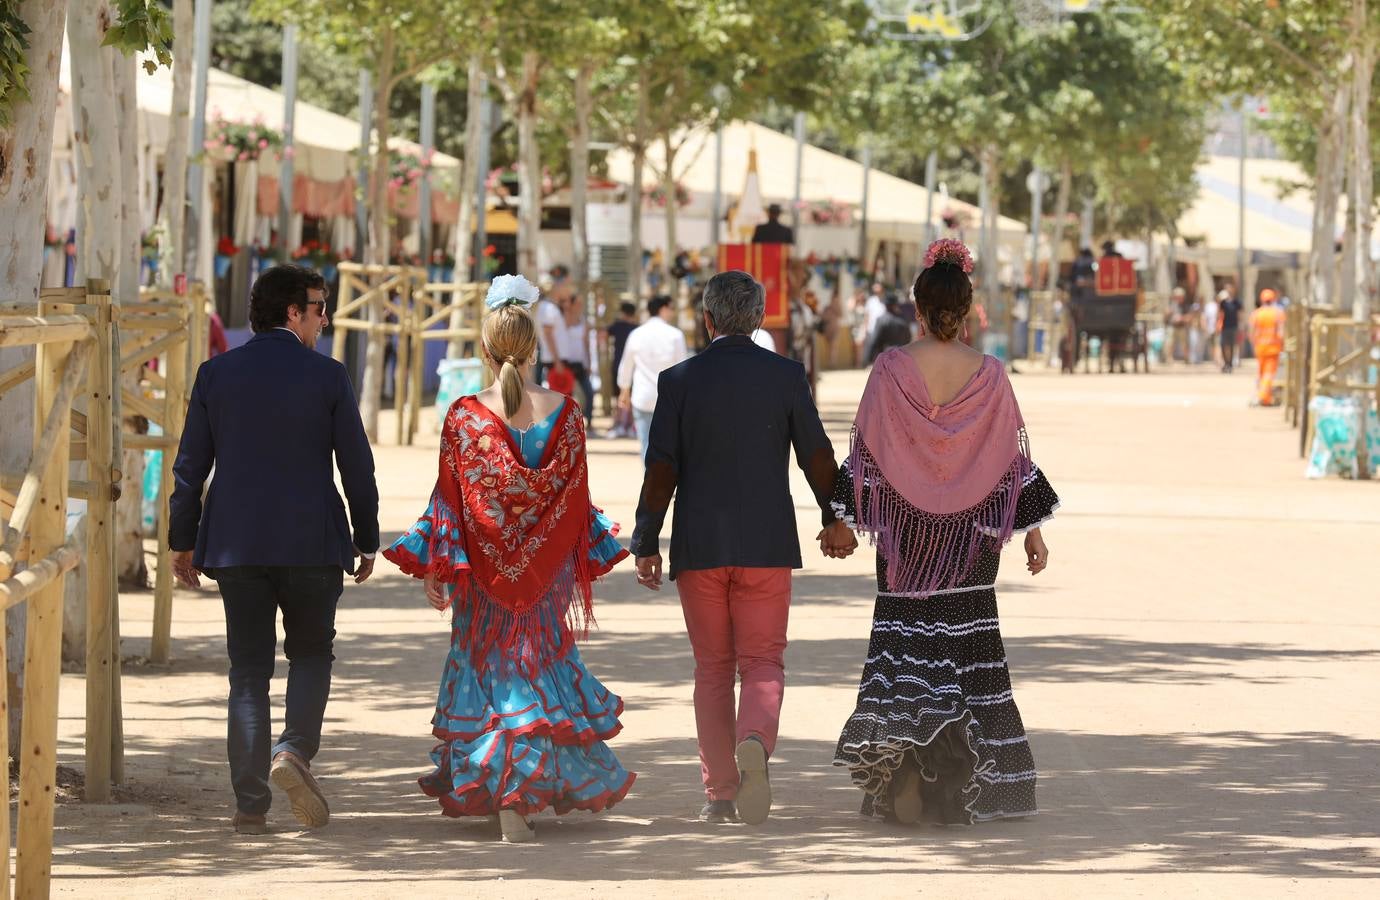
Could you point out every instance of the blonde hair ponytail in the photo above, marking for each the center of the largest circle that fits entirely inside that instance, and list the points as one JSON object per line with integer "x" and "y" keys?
{"x": 510, "y": 338}
{"x": 510, "y": 387}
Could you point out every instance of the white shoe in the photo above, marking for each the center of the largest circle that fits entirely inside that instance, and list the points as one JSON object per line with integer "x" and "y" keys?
{"x": 516, "y": 829}
{"x": 754, "y": 784}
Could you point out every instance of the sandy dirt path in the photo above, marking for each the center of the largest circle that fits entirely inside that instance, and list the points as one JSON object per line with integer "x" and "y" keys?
{"x": 1198, "y": 670}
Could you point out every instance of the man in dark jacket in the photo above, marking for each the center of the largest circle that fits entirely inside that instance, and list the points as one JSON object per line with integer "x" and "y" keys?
{"x": 891, "y": 330}
{"x": 270, "y": 416}
{"x": 772, "y": 231}
{"x": 721, "y": 438}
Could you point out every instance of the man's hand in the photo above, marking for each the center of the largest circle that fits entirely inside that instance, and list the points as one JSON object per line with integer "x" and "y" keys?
{"x": 363, "y": 569}
{"x": 837, "y": 541}
{"x": 435, "y": 593}
{"x": 1036, "y": 553}
{"x": 183, "y": 570}
{"x": 558, "y": 366}
{"x": 649, "y": 571}
{"x": 625, "y": 400}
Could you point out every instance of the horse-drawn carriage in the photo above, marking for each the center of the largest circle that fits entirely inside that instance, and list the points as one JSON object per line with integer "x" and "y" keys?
{"x": 1106, "y": 312}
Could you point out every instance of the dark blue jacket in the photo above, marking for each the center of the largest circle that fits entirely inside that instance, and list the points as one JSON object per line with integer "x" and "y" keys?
{"x": 721, "y": 440}
{"x": 269, "y": 416}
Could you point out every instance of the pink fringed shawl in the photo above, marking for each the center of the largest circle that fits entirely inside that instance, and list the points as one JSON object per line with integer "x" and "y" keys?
{"x": 935, "y": 484}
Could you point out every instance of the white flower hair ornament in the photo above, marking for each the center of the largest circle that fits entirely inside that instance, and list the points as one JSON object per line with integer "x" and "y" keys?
{"x": 510, "y": 290}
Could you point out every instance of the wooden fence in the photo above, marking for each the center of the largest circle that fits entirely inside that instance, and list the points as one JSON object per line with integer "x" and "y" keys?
{"x": 1340, "y": 354}
{"x": 398, "y": 300}
{"x": 72, "y": 332}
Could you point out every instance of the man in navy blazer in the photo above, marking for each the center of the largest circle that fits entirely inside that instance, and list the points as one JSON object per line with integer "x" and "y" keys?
{"x": 269, "y": 416}
{"x": 720, "y": 442}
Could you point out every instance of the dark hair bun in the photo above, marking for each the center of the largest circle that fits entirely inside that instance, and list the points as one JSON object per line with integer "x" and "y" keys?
{"x": 943, "y": 297}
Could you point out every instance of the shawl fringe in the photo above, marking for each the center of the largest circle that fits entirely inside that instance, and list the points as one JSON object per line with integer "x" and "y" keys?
{"x": 927, "y": 552}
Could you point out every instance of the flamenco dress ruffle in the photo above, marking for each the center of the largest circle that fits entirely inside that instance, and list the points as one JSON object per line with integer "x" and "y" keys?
{"x": 515, "y": 737}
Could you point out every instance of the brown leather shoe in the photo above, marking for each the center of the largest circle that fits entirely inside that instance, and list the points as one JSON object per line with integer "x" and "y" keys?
{"x": 293, "y": 776}
{"x": 249, "y": 823}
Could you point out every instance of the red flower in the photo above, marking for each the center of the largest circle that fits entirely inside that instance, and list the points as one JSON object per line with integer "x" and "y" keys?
{"x": 226, "y": 247}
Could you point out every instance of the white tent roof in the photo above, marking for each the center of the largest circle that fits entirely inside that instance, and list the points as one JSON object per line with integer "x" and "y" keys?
{"x": 324, "y": 140}
{"x": 1272, "y": 224}
{"x": 891, "y": 201}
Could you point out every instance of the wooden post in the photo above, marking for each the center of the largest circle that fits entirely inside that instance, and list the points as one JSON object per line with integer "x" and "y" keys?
{"x": 100, "y": 545}
{"x": 174, "y": 412}
{"x": 43, "y": 646}
{"x": 5, "y": 805}
{"x": 347, "y": 291}
{"x": 402, "y": 363}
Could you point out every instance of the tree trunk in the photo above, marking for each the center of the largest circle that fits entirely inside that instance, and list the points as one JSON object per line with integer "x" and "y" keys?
{"x": 1363, "y": 176}
{"x": 129, "y": 511}
{"x": 668, "y": 187}
{"x": 464, "y": 219}
{"x": 26, "y": 149}
{"x": 579, "y": 177}
{"x": 639, "y": 150}
{"x": 380, "y": 230}
{"x": 529, "y": 166}
{"x": 1329, "y": 169}
{"x": 1061, "y": 213}
{"x": 998, "y": 315}
{"x": 179, "y": 132}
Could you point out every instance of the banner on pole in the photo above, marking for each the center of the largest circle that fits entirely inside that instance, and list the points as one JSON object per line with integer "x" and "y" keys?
{"x": 766, "y": 263}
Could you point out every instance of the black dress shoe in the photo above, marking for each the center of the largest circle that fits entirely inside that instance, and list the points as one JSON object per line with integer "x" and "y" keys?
{"x": 719, "y": 812}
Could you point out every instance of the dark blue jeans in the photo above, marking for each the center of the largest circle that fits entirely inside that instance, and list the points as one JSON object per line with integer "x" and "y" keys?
{"x": 307, "y": 595}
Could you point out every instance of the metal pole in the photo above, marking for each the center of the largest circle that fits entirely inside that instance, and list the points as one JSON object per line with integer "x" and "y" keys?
{"x": 799, "y": 160}
{"x": 428, "y": 144}
{"x": 1037, "y": 203}
{"x": 867, "y": 177}
{"x": 366, "y": 116}
{"x": 196, "y": 173}
{"x": 1241, "y": 214}
{"x": 931, "y": 180}
{"x": 716, "y": 208}
{"x": 1085, "y": 224}
{"x": 289, "y": 122}
{"x": 481, "y": 176}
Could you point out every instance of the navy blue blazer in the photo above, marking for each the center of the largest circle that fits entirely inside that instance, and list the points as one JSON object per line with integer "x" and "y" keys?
{"x": 269, "y": 416}
{"x": 720, "y": 441}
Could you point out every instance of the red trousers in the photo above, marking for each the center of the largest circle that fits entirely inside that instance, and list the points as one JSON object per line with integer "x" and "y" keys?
{"x": 736, "y": 618}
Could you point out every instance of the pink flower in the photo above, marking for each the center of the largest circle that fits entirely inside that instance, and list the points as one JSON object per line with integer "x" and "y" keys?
{"x": 263, "y": 143}
{"x": 414, "y": 173}
{"x": 950, "y": 251}
{"x": 395, "y": 182}
{"x": 210, "y": 145}
{"x": 253, "y": 135}
{"x": 244, "y": 156}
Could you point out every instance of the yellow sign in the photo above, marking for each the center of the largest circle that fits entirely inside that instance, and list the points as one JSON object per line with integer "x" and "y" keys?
{"x": 936, "y": 21}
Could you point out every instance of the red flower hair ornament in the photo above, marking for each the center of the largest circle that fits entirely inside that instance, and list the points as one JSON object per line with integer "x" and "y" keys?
{"x": 949, "y": 251}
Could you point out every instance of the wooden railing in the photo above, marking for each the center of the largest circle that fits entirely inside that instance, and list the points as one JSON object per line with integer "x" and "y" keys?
{"x": 160, "y": 326}
{"x": 72, "y": 331}
{"x": 371, "y": 296}
{"x": 1341, "y": 352}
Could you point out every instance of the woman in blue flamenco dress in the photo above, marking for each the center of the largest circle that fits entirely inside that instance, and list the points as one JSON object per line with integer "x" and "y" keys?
{"x": 512, "y": 544}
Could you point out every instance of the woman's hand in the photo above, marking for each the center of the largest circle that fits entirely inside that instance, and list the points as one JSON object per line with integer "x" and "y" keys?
{"x": 435, "y": 593}
{"x": 1036, "y": 553}
{"x": 837, "y": 541}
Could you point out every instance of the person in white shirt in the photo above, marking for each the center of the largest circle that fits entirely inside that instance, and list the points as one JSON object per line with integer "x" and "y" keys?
{"x": 1208, "y": 329}
{"x": 762, "y": 338}
{"x": 653, "y": 347}
{"x": 873, "y": 311}
{"x": 550, "y": 323}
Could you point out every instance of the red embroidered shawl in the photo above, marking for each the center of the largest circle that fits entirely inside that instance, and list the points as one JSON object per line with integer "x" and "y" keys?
{"x": 523, "y": 533}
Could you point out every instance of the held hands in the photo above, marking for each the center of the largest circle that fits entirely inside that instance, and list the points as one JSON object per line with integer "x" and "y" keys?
{"x": 649, "y": 571}
{"x": 183, "y": 570}
{"x": 363, "y": 569}
{"x": 837, "y": 541}
{"x": 1036, "y": 553}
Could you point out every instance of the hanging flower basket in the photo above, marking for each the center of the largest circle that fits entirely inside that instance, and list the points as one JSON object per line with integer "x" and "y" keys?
{"x": 656, "y": 196}
{"x": 235, "y": 141}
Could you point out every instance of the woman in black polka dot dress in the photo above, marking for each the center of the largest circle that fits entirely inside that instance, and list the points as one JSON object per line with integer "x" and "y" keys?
{"x": 940, "y": 486}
